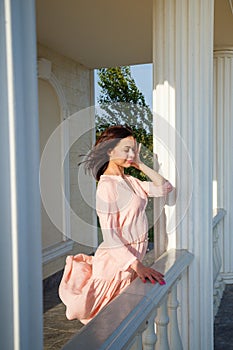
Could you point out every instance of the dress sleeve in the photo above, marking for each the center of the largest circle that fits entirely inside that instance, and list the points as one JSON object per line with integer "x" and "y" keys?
{"x": 156, "y": 191}
{"x": 150, "y": 188}
{"x": 108, "y": 212}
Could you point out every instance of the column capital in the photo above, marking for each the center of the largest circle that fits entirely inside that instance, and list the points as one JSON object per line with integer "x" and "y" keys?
{"x": 223, "y": 52}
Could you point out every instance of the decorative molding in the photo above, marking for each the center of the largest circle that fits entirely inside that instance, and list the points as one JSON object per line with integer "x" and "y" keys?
{"x": 227, "y": 278}
{"x": 56, "y": 250}
{"x": 223, "y": 52}
{"x": 44, "y": 69}
{"x": 231, "y": 5}
{"x": 45, "y": 72}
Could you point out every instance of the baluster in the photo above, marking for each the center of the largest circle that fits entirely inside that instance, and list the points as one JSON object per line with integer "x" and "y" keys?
{"x": 220, "y": 281}
{"x": 215, "y": 302}
{"x": 215, "y": 255}
{"x": 218, "y": 252}
{"x": 174, "y": 333}
{"x": 161, "y": 323}
{"x": 137, "y": 344}
{"x": 149, "y": 336}
{"x": 215, "y": 270}
{"x": 219, "y": 284}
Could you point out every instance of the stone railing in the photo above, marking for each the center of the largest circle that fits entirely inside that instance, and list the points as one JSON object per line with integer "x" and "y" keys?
{"x": 219, "y": 285}
{"x": 144, "y": 316}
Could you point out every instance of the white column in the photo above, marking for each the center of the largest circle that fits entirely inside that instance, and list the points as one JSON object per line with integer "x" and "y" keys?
{"x": 183, "y": 69}
{"x": 223, "y": 112}
{"x": 20, "y": 235}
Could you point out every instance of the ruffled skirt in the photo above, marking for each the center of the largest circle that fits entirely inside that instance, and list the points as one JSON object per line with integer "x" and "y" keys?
{"x": 91, "y": 282}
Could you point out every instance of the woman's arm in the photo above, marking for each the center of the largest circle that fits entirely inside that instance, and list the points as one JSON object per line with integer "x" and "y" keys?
{"x": 158, "y": 180}
{"x": 153, "y": 175}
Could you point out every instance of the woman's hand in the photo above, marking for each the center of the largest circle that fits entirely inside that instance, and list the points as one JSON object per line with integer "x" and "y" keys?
{"x": 156, "y": 163}
{"x": 145, "y": 272}
{"x": 137, "y": 161}
{"x": 163, "y": 186}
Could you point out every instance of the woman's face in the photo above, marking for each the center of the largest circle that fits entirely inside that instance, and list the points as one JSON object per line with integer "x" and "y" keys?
{"x": 123, "y": 153}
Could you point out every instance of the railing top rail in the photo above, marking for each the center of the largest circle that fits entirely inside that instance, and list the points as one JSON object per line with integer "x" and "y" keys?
{"x": 219, "y": 214}
{"x": 115, "y": 326}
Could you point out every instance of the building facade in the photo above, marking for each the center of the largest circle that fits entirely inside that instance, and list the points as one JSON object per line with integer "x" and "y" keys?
{"x": 48, "y": 53}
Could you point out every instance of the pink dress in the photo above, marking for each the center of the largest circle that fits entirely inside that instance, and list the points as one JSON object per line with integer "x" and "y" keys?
{"x": 91, "y": 282}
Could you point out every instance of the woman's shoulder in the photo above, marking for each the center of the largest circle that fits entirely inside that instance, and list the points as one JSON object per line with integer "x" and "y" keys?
{"x": 106, "y": 193}
{"x": 108, "y": 180}
{"x": 107, "y": 184}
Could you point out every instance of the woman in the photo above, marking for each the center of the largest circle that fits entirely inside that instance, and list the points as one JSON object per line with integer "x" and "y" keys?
{"x": 89, "y": 283}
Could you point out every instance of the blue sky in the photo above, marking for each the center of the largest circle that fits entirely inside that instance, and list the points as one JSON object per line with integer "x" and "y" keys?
{"x": 142, "y": 75}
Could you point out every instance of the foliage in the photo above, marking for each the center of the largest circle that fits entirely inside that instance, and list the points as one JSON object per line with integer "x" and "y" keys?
{"x": 120, "y": 100}
{"x": 118, "y": 86}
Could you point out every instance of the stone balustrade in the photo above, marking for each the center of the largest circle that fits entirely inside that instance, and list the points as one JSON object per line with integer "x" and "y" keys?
{"x": 143, "y": 316}
{"x": 219, "y": 285}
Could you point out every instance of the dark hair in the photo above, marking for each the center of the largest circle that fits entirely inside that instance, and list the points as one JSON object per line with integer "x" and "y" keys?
{"x": 97, "y": 160}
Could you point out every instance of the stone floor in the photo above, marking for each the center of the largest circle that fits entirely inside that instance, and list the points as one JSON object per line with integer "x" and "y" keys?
{"x": 58, "y": 330}
{"x": 223, "y": 325}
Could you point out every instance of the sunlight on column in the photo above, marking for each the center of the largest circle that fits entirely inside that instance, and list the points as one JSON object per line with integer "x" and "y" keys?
{"x": 215, "y": 194}
{"x": 165, "y": 140}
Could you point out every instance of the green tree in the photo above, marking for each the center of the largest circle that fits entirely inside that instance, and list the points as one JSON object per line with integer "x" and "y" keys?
{"x": 118, "y": 85}
{"x": 121, "y": 102}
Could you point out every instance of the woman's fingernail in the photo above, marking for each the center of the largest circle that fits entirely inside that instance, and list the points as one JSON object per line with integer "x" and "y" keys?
{"x": 162, "y": 283}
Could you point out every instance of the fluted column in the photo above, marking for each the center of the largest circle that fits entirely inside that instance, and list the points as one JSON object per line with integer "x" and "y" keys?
{"x": 183, "y": 70}
{"x": 20, "y": 233}
{"x": 223, "y": 112}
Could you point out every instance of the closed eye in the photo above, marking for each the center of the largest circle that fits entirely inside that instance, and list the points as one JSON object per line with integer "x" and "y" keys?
{"x": 129, "y": 148}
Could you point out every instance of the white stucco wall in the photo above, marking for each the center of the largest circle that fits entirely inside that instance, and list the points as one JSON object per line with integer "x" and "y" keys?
{"x": 76, "y": 83}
